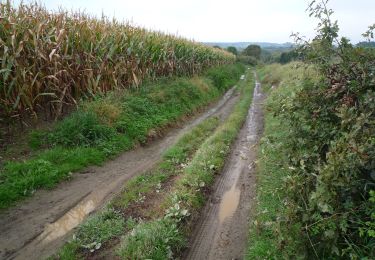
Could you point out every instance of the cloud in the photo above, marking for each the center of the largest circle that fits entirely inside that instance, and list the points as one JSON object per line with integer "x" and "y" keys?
{"x": 229, "y": 20}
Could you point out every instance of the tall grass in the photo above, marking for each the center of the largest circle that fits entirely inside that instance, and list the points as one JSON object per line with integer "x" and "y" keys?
{"x": 48, "y": 60}
{"x": 276, "y": 74}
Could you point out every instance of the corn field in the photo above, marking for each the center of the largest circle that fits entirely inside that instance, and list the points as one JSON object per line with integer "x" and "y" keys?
{"x": 50, "y": 60}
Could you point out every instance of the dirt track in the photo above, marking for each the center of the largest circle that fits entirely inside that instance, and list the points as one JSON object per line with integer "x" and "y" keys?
{"x": 37, "y": 226}
{"x": 223, "y": 228}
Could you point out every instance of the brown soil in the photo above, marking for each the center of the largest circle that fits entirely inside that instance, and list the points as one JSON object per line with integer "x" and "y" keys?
{"x": 221, "y": 232}
{"x": 35, "y": 228}
{"x": 150, "y": 208}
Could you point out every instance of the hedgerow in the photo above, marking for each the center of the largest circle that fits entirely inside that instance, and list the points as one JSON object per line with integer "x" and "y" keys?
{"x": 331, "y": 146}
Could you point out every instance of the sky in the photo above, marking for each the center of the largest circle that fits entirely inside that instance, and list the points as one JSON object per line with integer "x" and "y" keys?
{"x": 230, "y": 20}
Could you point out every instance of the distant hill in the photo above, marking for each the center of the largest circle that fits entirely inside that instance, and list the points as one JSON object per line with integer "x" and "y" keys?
{"x": 243, "y": 45}
{"x": 366, "y": 44}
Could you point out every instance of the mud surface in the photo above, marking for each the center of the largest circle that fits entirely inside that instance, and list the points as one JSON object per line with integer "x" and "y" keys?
{"x": 36, "y": 227}
{"x": 222, "y": 230}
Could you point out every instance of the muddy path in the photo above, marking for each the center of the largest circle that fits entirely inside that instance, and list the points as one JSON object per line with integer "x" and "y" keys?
{"x": 222, "y": 230}
{"x": 36, "y": 227}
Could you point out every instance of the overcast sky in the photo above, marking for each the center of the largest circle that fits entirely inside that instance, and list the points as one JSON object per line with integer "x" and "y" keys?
{"x": 230, "y": 20}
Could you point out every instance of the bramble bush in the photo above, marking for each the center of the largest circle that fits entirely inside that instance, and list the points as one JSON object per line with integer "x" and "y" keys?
{"x": 331, "y": 147}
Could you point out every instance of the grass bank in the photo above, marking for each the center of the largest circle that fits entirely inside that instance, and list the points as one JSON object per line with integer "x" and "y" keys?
{"x": 157, "y": 208}
{"x": 266, "y": 239}
{"x": 272, "y": 168}
{"x": 103, "y": 128}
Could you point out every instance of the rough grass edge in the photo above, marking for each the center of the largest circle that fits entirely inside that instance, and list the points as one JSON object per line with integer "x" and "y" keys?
{"x": 265, "y": 241}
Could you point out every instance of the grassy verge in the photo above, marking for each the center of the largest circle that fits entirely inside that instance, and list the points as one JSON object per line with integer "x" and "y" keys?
{"x": 107, "y": 126}
{"x": 264, "y": 239}
{"x": 314, "y": 192}
{"x": 269, "y": 222}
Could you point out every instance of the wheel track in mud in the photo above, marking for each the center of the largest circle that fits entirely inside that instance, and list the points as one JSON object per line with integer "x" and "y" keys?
{"x": 221, "y": 232}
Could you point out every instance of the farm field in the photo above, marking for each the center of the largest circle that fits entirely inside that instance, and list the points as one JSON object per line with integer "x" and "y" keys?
{"x": 222, "y": 141}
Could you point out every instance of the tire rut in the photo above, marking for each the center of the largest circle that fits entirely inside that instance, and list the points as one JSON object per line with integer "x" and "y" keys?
{"x": 221, "y": 232}
{"x": 36, "y": 227}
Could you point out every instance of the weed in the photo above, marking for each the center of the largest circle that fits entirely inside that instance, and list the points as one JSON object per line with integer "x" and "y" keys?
{"x": 222, "y": 78}
{"x": 36, "y": 139}
{"x": 92, "y": 234}
{"x": 107, "y": 109}
{"x": 68, "y": 252}
{"x": 152, "y": 240}
{"x": 22, "y": 179}
{"x": 80, "y": 129}
{"x": 99, "y": 229}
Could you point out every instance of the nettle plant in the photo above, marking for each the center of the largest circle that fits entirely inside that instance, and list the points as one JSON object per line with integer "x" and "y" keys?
{"x": 332, "y": 144}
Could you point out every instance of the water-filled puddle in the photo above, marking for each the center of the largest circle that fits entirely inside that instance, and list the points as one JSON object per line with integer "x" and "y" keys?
{"x": 229, "y": 203}
{"x": 67, "y": 222}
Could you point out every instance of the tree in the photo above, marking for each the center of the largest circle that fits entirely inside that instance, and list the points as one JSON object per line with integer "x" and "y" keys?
{"x": 233, "y": 50}
{"x": 247, "y": 60}
{"x": 253, "y": 51}
{"x": 289, "y": 56}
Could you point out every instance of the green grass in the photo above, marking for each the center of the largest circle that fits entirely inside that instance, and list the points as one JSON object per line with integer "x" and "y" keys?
{"x": 68, "y": 252}
{"x": 152, "y": 240}
{"x": 107, "y": 126}
{"x": 100, "y": 228}
{"x": 271, "y": 171}
{"x": 22, "y": 179}
{"x": 93, "y": 233}
{"x": 82, "y": 128}
{"x": 265, "y": 241}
